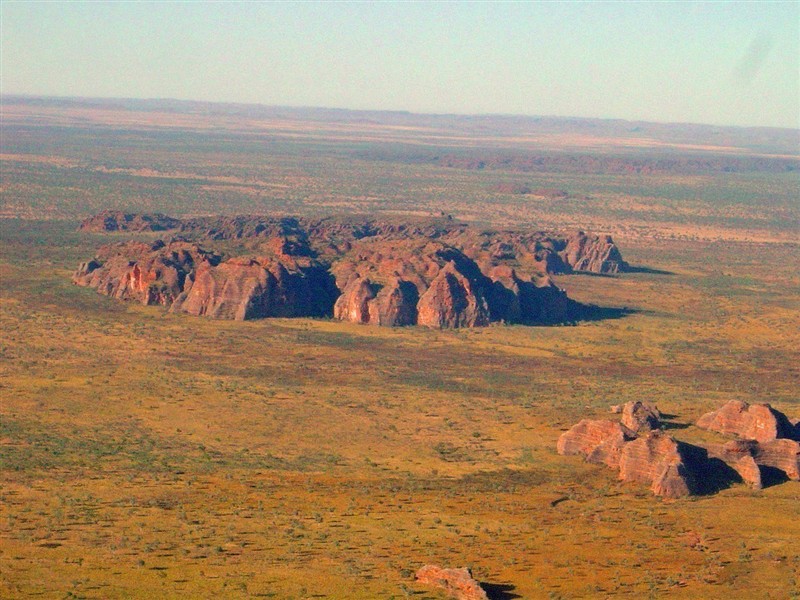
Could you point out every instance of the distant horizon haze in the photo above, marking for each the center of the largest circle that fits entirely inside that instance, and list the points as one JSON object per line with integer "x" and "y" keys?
{"x": 712, "y": 63}
{"x": 99, "y": 100}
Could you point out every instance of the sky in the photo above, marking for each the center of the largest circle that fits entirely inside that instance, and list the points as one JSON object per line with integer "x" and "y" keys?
{"x": 723, "y": 63}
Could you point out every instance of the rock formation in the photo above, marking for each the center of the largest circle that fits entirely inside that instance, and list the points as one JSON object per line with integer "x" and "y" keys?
{"x": 738, "y": 454}
{"x": 780, "y": 454}
{"x": 674, "y": 469}
{"x": 453, "y": 300}
{"x": 539, "y": 250}
{"x": 758, "y": 422}
{"x": 641, "y": 416}
{"x": 435, "y": 272}
{"x": 657, "y": 459}
{"x": 596, "y": 254}
{"x": 600, "y": 441}
{"x": 145, "y": 273}
{"x": 114, "y": 220}
{"x": 458, "y": 583}
{"x": 251, "y": 288}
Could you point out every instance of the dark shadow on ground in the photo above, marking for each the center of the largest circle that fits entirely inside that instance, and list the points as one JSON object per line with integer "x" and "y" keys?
{"x": 499, "y": 591}
{"x": 593, "y": 274}
{"x": 632, "y": 269}
{"x": 711, "y": 475}
{"x": 771, "y": 476}
{"x": 715, "y": 476}
{"x": 591, "y": 312}
{"x": 667, "y": 425}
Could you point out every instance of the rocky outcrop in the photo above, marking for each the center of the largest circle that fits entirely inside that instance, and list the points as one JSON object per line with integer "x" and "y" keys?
{"x": 758, "y": 422}
{"x": 674, "y": 469}
{"x": 393, "y": 304}
{"x": 641, "y": 416}
{"x": 145, "y": 273}
{"x": 186, "y": 278}
{"x": 453, "y": 300}
{"x": 253, "y": 288}
{"x": 593, "y": 253}
{"x": 738, "y": 454}
{"x": 600, "y": 441}
{"x": 436, "y": 285}
{"x": 780, "y": 454}
{"x": 434, "y": 273}
{"x": 114, "y": 220}
{"x": 546, "y": 252}
{"x": 657, "y": 460}
{"x": 457, "y": 583}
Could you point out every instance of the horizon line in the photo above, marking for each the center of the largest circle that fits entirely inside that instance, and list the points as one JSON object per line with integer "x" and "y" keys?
{"x": 5, "y": 95}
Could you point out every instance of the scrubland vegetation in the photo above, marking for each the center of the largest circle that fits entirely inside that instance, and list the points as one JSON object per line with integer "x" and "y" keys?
{"x": 147, "y": 454}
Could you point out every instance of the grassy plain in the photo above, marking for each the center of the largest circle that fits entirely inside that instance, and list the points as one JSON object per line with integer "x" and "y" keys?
{"x": 151, "y": 455}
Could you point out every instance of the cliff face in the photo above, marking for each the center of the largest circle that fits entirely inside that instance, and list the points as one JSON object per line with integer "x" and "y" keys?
{"x": 436, "y": 285}
{"x": 592, "y": 253}
{"x": 145, "y": 273}
{"x": 253, "y": 288}
{"x": 434, "y": 273}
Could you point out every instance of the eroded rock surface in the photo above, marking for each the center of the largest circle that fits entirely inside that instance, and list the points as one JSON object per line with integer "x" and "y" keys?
{"x": 540, "y": 251}
{"x": 673, "y": 468}
{"x": 458, "y": 583}
{"x": 657, "y": 459}
{"x": 780, "y": 454}
{"x": 600, "y": 441}
{"x": 641, "y": 416}
{"x": 596, "y": 254}
{"x": 435, "y": 273}
{"x": 146, "y": 273}
{"x": 738, "y": 454}
{"x": 251, "y": 288}
{"x": 758, "y": 422}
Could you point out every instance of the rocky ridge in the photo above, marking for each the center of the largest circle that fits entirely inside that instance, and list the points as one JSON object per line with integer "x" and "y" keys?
{"x": 644, "y": 453}
{"x": 434, "y": 273}
{"x": 117, "y": 220}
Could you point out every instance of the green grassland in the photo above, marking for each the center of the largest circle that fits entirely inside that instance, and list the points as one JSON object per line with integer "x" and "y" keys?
{"x": 145, "y": 454}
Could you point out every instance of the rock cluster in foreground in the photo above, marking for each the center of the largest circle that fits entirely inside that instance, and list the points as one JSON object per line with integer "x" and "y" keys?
{"x": 430, "y": 273}
{"x": 766, "y": 438}
{"x": 645, "y": 454}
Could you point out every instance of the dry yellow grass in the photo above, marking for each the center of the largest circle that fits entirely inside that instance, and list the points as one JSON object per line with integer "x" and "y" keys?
{"x": 154, "y": 455}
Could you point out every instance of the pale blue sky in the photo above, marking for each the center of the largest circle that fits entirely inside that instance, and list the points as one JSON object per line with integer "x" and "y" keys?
{"x": 731, "y": 63}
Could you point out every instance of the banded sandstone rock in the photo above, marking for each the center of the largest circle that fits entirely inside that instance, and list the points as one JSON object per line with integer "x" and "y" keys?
{"x": 738, "y": 454}
{"x": 781, "y": 454}
{"x": 600, "y": 441}
{"x": 251, "y": 288}
{"x": 657, "y": 459}
{"x": 435, "y": 273}
{"x": 150, "y": 274}
{"x": 758, "y": 422}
